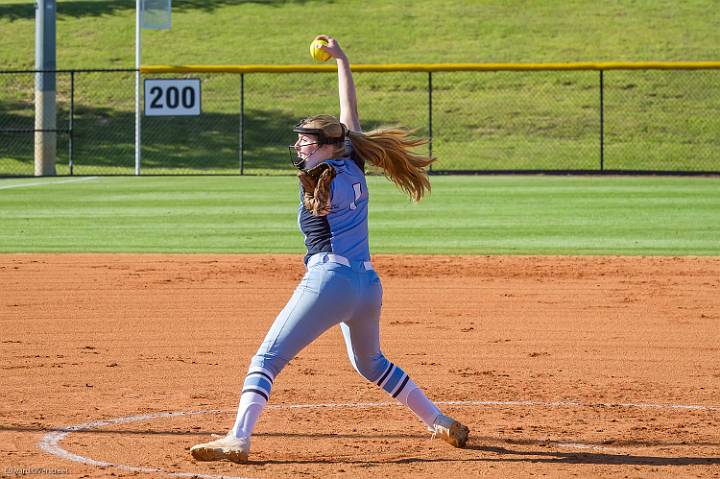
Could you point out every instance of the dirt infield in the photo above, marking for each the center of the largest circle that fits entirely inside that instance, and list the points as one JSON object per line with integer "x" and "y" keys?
{"x": 562, "y": 367}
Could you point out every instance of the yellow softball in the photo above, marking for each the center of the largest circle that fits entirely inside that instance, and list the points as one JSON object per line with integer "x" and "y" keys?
{"x": 317, "y": 53}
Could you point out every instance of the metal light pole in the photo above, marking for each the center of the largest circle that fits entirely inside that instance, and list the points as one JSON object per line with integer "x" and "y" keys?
{"x": 138, "y": 50}
{"x": 153, "y": 14}
{"x": 45, "y": 96}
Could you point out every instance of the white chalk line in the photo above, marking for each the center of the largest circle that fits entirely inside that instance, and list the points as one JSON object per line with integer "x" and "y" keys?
{"x": 50, "y": 442}
{"x": 571, "y": 404}
{"x": 47, "y": 183}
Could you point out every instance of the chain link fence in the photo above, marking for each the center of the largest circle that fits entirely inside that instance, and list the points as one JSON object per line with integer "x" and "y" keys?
{"x": 479, "y": 121}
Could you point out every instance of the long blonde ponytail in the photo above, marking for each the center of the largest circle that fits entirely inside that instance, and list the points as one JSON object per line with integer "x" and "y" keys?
{"x": 390, "y": 149}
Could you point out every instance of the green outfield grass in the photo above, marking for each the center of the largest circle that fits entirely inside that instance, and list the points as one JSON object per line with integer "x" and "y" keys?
{"x": 654, "y": 120}
{"x": 464, "y": 215}
{"x": 100, "y": 33}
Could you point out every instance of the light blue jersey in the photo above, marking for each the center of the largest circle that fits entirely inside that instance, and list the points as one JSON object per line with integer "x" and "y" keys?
{"x": 344, "y": 230}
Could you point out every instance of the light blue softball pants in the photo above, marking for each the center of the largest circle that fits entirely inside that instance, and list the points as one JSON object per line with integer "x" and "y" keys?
{"x": 330, "y": 293}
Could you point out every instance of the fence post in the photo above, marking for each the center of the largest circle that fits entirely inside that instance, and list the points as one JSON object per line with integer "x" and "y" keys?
{"x": 430, "y": 130}
{"x": 242, "y": 123}
{"x": 602, "y": 123}
{"x": 71, "y": 163}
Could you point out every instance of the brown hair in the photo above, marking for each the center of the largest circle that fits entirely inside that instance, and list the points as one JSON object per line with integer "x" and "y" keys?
{"x": 389, "y": 149}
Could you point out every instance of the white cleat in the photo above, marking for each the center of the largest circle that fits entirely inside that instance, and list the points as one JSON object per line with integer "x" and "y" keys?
{"x": 450, "y": 431}
{"x": 229, "y": 447}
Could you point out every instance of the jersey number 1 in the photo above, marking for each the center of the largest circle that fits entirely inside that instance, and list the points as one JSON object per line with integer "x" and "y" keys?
{"x": 357, "y": 188}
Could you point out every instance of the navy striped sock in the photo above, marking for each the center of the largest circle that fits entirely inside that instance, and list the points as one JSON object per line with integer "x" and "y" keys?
{"x": 399, "y": 385}
{"x": 258, "y": 381}
{"x": 255, "y": 394}
{"x": 393, "y": 380}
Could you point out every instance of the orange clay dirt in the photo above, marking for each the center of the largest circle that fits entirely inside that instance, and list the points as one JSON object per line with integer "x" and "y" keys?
{"x": 563, "y": 367}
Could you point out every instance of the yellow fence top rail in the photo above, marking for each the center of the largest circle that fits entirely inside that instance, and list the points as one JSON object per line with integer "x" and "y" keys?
{"x": 433, "y": 67}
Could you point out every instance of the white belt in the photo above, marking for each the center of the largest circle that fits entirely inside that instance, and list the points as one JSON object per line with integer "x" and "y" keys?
{"x": 334, "y": 258}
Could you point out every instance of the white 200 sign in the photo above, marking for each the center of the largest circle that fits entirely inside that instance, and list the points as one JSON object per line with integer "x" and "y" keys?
{"x": 172, "y": 97}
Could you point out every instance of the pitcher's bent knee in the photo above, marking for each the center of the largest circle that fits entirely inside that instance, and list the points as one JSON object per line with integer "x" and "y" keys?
{"x": 371, "y": 368}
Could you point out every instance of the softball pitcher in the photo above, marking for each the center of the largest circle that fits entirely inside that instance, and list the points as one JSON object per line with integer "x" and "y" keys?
{"x": 340, "y": 285}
